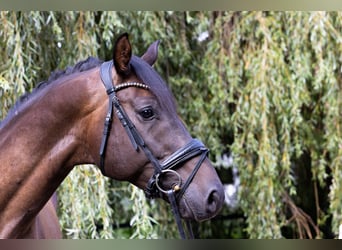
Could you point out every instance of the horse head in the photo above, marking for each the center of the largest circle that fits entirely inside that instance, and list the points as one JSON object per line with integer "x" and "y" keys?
{"x": 147, "y": 143}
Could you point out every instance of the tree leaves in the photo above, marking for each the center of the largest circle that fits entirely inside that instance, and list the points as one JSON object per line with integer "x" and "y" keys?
{"x": 265, "y": 86}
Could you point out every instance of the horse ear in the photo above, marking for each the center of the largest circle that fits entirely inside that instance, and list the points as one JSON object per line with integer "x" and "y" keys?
{"x": 151, "y": 54}
{"x": 122, "y": 55}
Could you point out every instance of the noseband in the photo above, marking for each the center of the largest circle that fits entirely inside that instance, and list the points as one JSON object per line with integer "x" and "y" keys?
{"x": 154, "y": 188}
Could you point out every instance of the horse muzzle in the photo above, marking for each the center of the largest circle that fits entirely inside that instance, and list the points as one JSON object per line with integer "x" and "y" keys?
{"x": 201, "y": 206}
{"x": 200, "y": 195}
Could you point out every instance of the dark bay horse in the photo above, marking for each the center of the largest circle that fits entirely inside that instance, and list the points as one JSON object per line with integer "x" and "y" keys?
{"x": 118, "y": 115}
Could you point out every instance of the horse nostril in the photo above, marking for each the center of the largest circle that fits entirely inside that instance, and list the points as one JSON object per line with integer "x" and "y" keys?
{"x": 214, "y": 202}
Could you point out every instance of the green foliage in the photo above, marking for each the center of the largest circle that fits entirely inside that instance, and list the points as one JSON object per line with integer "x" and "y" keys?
{"x": 286, "y": 90}
{"x": 265, "y": 86}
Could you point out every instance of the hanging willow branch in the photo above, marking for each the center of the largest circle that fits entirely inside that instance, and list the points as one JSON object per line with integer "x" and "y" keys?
{"x": 265, "y": 86}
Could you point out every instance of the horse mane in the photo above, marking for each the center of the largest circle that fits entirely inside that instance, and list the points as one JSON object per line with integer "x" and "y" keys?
{"x": 84, "y": 65}
{"x": 87, "y": 64}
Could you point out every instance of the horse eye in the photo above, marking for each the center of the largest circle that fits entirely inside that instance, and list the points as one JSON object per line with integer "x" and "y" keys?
{"x": 147, "y": 113}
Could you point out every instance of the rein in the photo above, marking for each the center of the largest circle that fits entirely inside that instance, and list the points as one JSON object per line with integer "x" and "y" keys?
{"x": 180, "y": 156}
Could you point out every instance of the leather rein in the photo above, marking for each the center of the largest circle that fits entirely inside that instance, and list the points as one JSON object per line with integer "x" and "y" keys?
{"x": 153, "y": 190}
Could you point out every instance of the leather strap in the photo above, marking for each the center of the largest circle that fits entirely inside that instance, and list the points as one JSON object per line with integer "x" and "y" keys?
{"x": 190, "y": 150}
{"x": 174, "y": 207}
{"x": 106, "y": 77}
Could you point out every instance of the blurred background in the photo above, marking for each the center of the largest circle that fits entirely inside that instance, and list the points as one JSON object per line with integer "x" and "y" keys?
{"x": 263, "y": 90}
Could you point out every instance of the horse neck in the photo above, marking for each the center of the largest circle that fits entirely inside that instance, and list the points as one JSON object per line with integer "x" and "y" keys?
{"x": 39, "y": 147}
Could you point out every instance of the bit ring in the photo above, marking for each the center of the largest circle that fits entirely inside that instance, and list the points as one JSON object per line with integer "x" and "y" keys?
{"x": 175, "y": 187}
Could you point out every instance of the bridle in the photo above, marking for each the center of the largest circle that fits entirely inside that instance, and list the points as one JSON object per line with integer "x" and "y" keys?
{"x": 154, "y": 189}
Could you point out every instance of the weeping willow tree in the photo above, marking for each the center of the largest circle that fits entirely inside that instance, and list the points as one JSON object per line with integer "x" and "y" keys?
{"x": 265, "y": 87}
{"x": 281, "y": 75}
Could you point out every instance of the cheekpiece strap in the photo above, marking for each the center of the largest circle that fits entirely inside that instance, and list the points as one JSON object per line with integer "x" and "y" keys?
{"x": 134, "y": 136}
{"x": 106, "y": 77}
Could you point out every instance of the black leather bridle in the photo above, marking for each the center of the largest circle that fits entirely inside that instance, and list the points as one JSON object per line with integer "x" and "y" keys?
{"x": 154, "y": 189}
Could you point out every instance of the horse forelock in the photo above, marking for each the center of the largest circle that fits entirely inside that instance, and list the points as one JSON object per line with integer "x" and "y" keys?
{"x": 157, "y": 85}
